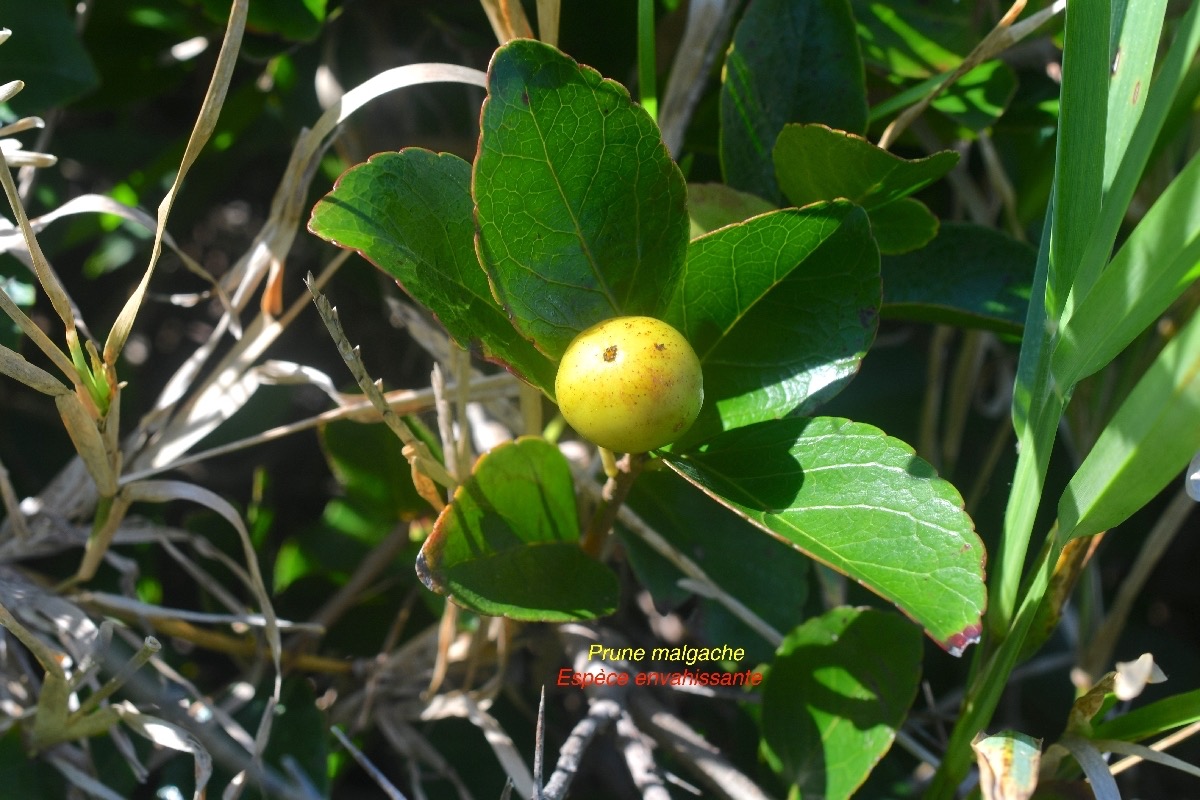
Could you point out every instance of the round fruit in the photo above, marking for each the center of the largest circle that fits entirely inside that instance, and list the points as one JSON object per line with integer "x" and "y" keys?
{"x": 630, "y": 384}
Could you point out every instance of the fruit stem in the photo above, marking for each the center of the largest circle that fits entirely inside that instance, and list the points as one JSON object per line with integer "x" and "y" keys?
{"x": 609, "y": 461}
{"x": 614, "y": 494}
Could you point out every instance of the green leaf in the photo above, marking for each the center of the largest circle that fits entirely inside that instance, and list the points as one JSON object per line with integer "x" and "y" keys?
{"x": 970, "y": 275}
{"x": 766, "y": 575}
{"x": 715, "y": 205}
{"x": 1141, "y": 33}
{"x": 832, "y": 704}
{"x": 1159, "y": 260}
{"x": 903, "y": 226}
{"x": 814, "y": 163}
{"x": 299, "y": 735}
{"x": 376, "y": 479}
{"x": 861, "y": 502}
{"x": 507, "y": 544}
{"x": 915, "y": 38}
{"x": 1082, "y": 141}
{"x": 1040, "y": 393}
{"x": 780, "y": 310}
{"x": 582, "y": 213}
{"x": 1152, "y": 719}
{"x": 790, "y": 62}
{"x": 976, "y": 100}
{"x": 1153, "y": 435}
{"x": 410, "y": 213}
{"x": 1137, "y": 132}
{"x": 45, "y": 52}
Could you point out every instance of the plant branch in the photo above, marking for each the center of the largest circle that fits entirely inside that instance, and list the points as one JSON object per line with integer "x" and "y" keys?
{"x": 612, "y": 498}
{"x": 700, "y": 582}
{"x": 706, "y": 761}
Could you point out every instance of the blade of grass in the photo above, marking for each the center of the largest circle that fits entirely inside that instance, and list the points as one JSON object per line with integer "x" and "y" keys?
{"x": 1156, "y": 264}
{"x": 1131, "y": 69}
{"x": 508, "y": 19}
{"x": 1137, "y": 752}
{"x": 1078, "y": 183}
{"x": 1037, "y": 401}
{"x": 1029, "y": 399}
{"x": 46, "y": 276}
{"x": 647, "y": 63}
{"x": 14, "y": 312}
{"x": 1171, "y": 78}
{"x": 990, "y": 681}
{"x": 14, "y": 365}
{"x": 88, "y": 442}
{"x": 169, "y": 491}
{"x": 1153, "y": 435}
{"x": 1153, "y": 719}
{"x": 1082, "y": 144}
{"x": 206, "y": 123}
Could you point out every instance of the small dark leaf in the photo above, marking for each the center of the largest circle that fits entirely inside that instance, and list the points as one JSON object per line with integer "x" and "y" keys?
{"x": 814, "y": 162}
{"x": 790, "y": 62}
{"x": 44, "y": 52}
{"x": 832, "y": 704}
{"x": 969, "y": 276}
{"x": 715, "y": 205}
{"x": 903, "y": 226}
{"x": 507, "y": 544}
{"x": 980, "y": 97}
{"x": 916, "y": 38}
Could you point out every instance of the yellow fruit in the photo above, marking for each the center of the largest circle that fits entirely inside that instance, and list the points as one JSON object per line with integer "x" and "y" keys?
{"x": 630, "y": 384}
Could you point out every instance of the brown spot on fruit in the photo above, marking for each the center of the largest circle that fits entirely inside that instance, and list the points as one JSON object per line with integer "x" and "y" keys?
{"x": 610, "y": 353}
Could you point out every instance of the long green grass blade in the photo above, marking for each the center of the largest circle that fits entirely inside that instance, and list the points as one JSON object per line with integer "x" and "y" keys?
{"x": 1124, "y": 164}
{"x": 1150, "y": 439}
{"x": 1156, "y": 718}
{"x": 647, "y": 61}
{"x": 1029, "y": 401}
{"x": 1080, "y": 159}
{"x": 206, "y": 123}
{"x": 1132, "y": 67}
{"x": 1160, "y": 259}
{"x": 1038, "y": 401}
